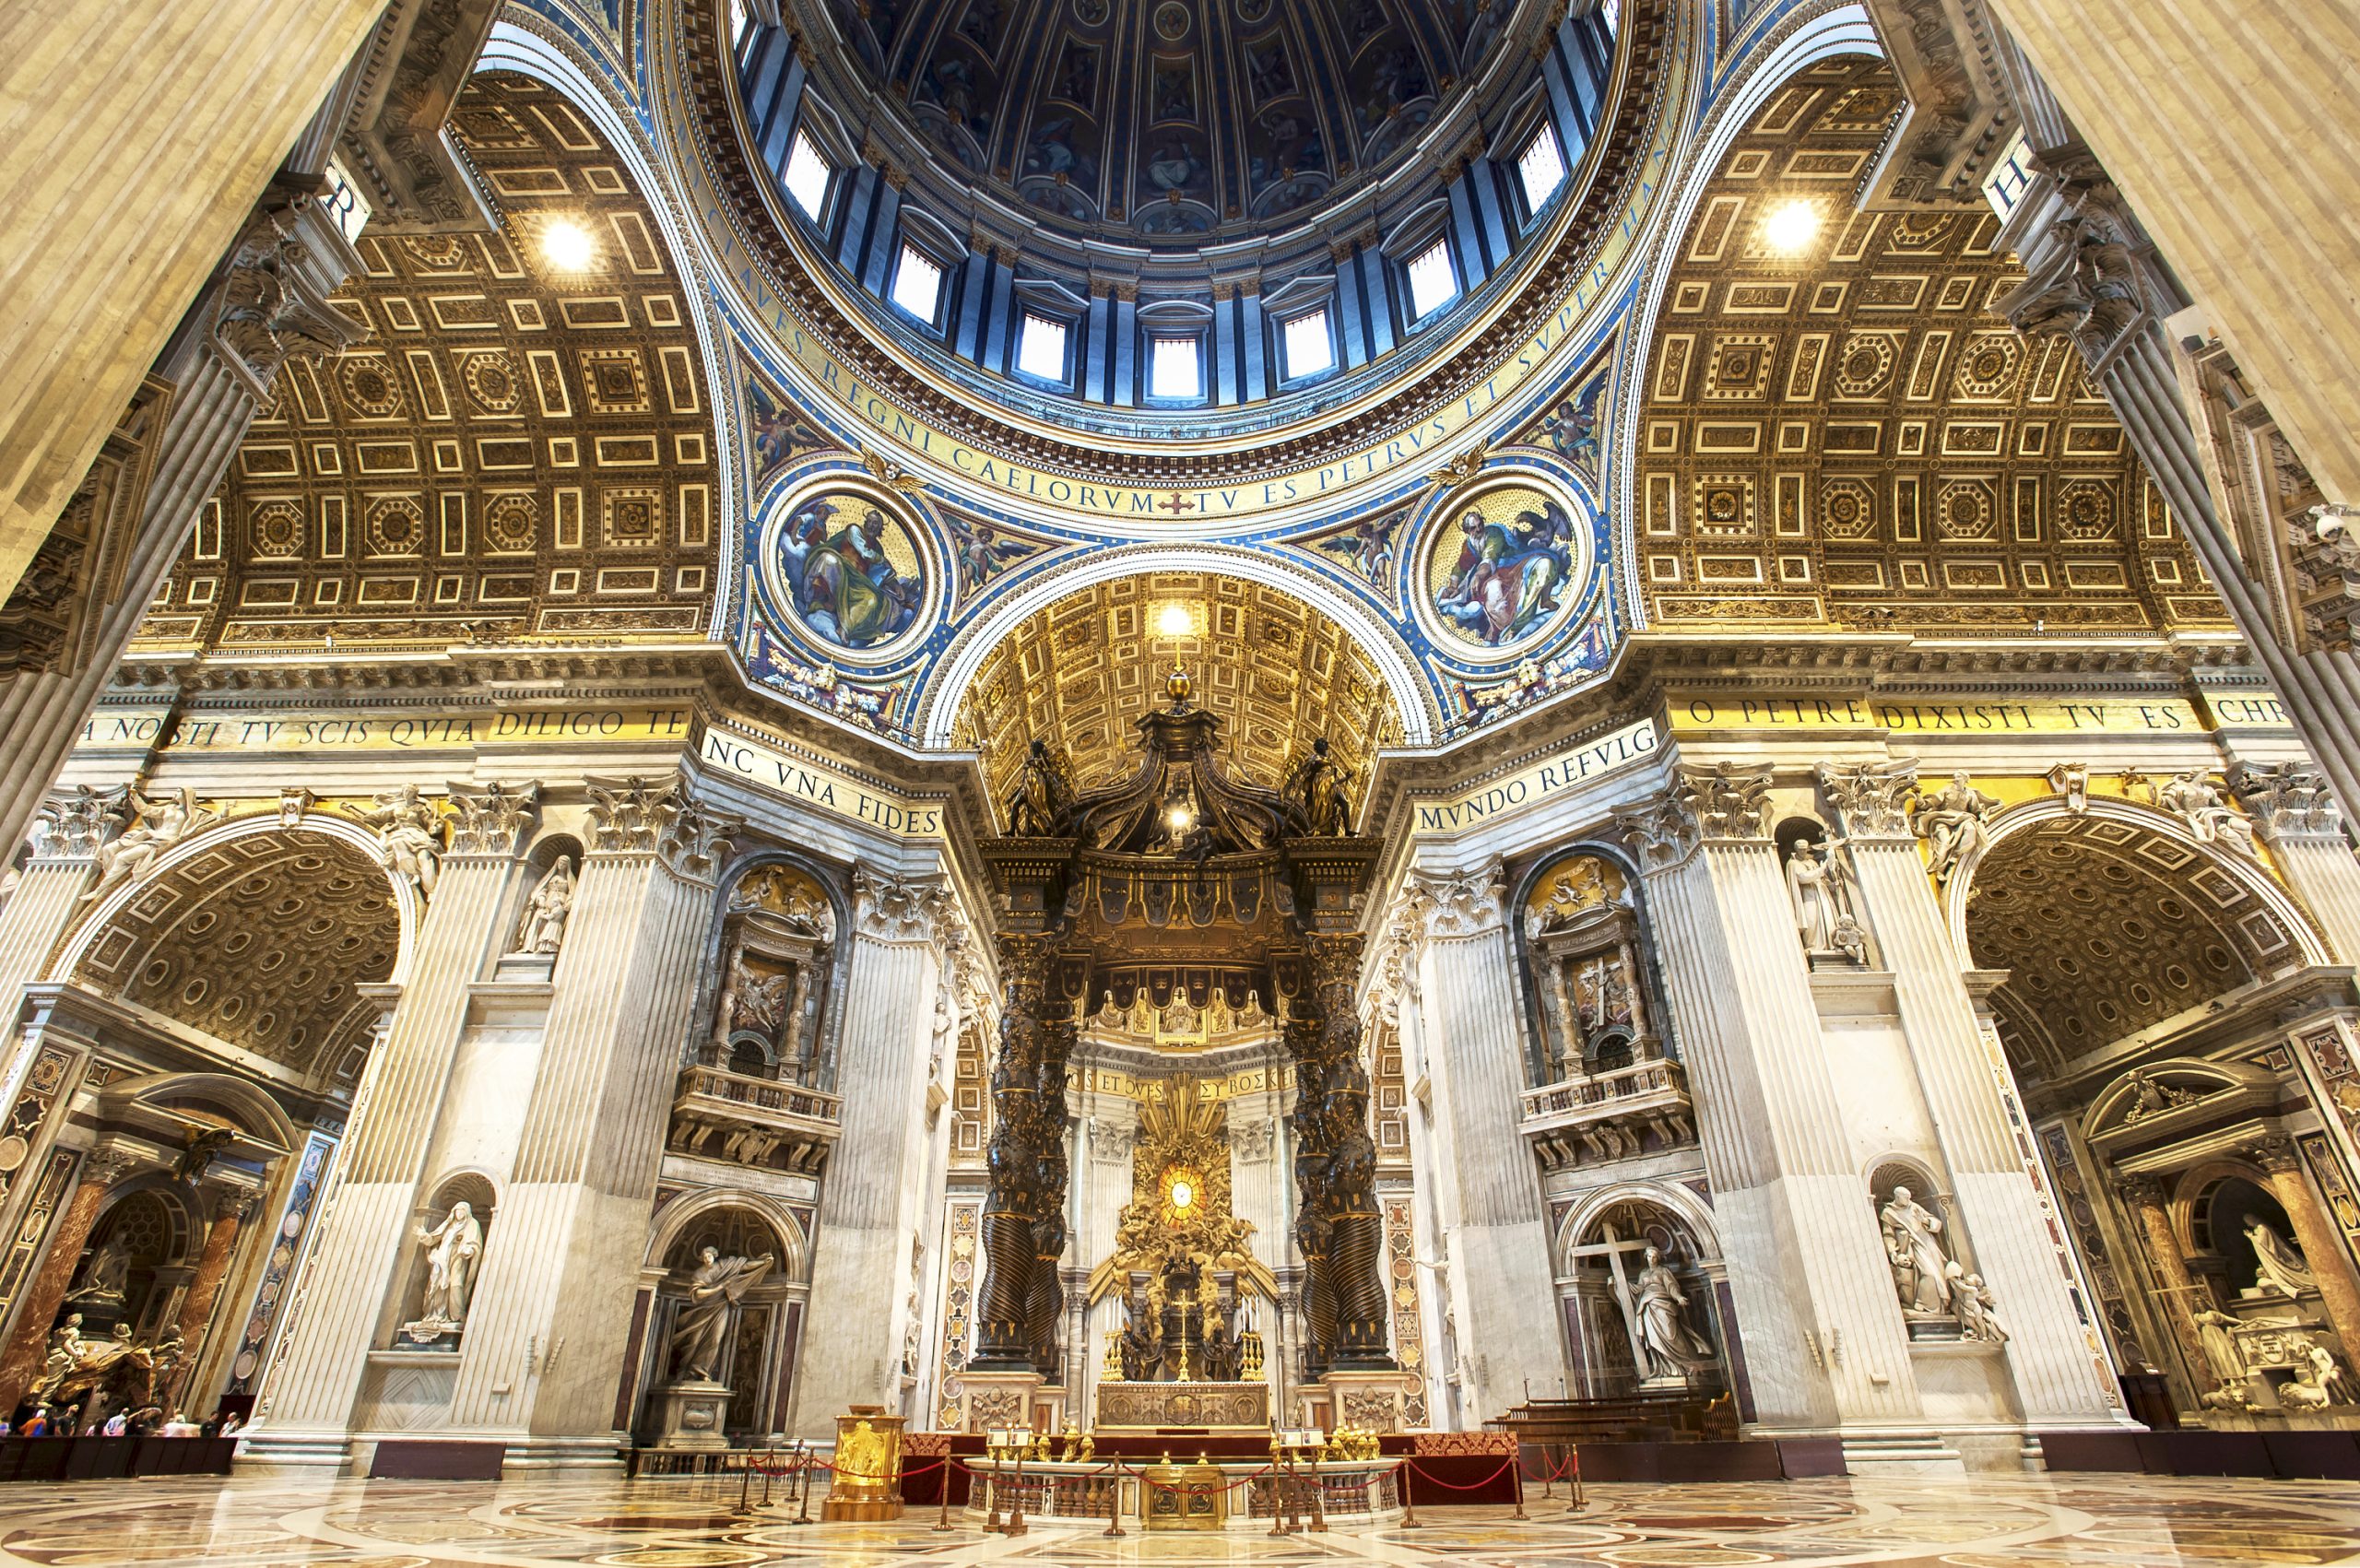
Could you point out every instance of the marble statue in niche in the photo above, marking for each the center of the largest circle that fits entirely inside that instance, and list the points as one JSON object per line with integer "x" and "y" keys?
{"x": 715, "y": 1288}
{"x": 1913, "y": 1247}
{"x": 453, "y": 1248}
{"x": 1659, "y": 1322}
{"x": 1827, "y": 913}
{"x": 546, "y": 909}
{"x": 1978, "y": 1311}
{"x": 2280, "y": 1267}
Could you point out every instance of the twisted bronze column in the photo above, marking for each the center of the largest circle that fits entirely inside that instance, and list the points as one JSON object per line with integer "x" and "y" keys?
{"x": 1015, "y": 1200}
{"x": 1336, "y": 1166}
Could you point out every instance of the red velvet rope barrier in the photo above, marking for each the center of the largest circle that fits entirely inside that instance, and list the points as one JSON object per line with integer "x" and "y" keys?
{"x": 1506, "y": 1466}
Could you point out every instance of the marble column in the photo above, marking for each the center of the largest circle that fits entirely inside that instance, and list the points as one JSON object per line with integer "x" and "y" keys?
{"x": 29, "y": 1337}
{"x": 136, "y": 150}
{"x": 1826, "y": 1347}
{"x": 542, "y": 1354}
{"x": 2315, "y": 1232}
{"x": 360, "y": 1233}
{"x": 2047, "y": 1353}
{"x": 1453, "y": 927}
{"x": 231, "y": 1211}
{"x": 220, "y": 366}
{"x": 2209, "y": 117}
{"x": 874, "y": 1193}
{"x": 2180, "y": 1292}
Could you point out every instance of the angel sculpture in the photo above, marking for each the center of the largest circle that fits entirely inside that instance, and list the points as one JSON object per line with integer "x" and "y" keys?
{"x": 409, "y": 832}
{"x": 155, "y": 826}
{"x": 1042, "y": 796}
{"x": 1953, "y": 822}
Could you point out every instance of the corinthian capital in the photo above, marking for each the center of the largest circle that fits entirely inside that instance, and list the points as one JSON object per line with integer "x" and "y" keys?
{"x": 630, "y": 816}
{"x": 73, "y": 823}
{"x": 1873, "y": 797}
{"x": 493, "y": 820}
{"x": 1452, "y": 904}
{"x": 1660, "y": 832}
{"x": 2273, "y": 1152}
{"x": 696, "y": 841}
{"x": 1727, "y": 801}
{"x": 270, "y": 307}
{"x": 890, "y": 909}
{"x": 2286, "y": 800}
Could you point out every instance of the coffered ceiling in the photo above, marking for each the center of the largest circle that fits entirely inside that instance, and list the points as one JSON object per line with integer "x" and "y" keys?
{"x": 2105, "y": 929}
{"x": 1839, "y": 429}
{"x": 1080, "y": 672}
{"x": 522, "y": 448}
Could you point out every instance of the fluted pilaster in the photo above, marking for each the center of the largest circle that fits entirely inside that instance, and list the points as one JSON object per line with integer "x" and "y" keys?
{"x": 1823, "y": 1341}
{"x": 874, "y": 1193}
{"x": 341, "y": 1292}
{"x": 2058, "y": 1379}
{"x": 1500, "y": 1259}
{"x": 543, "y": 1349}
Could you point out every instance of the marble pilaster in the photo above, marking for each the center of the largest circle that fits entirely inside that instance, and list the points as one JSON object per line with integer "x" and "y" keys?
{"x": 872, "y": 1197}
{"x": 1502, "y": 1279}
{"x": 1823, "y": 1340}
{"x": 544, "y": 1347}
{"x": 2295, "y": 815}
{"x": 291, "y": 252}
{"x": 2048, "y": 1354}
{"x": 361, "y": 1232}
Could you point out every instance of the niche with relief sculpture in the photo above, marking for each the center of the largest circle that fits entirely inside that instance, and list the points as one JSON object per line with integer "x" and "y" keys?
{"x": 778, "y": 934}
{"x": 1581, "y": 926}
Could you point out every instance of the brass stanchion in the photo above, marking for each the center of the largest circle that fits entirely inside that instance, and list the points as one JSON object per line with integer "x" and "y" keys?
{"x": 942, "y": 1513}
{"x": 1573, "y": 1477}
{"x": 745, "y": 1481}
{"x": 1318, "y": 1502}
{"x": 1408, "y": 1503}
{"x": 1280, "y": 1498}
{"x": 1115, "y": 1504}
{"x": 803, "y": 1492}
{"x": 1516, "y": 1467}
{"x": 1016, "y": 1526}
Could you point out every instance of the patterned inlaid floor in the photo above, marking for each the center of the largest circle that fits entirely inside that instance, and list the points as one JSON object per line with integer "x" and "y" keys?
{"x": 1981, "y": 1522}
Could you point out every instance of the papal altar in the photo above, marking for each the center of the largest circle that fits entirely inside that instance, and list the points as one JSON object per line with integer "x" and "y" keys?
{"x": 1147, "y": 1406}
{"x": 1191, "y": 1495}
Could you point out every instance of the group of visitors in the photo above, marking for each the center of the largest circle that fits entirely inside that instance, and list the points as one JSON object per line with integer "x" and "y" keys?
{"x": 75, "y": 1421}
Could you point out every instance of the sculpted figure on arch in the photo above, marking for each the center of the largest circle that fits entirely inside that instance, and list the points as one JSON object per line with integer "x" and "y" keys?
{"x": 1952, "y": 821}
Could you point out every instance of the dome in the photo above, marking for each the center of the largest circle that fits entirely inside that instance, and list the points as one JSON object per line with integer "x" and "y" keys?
{"x": 1119, "y": 216}
{"x": 1164, "y": 121}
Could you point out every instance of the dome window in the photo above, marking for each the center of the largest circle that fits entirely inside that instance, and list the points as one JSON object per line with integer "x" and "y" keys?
{"x": 917, "y": 283}
{"x": 1433, "y": 283}
{"x": 1041, "y": 349}
{"x": 1175, "y": 368}
{"x": 808, "y": 176}
{"x": 1310, "y": 345}
{"x": 1541, "y": 169}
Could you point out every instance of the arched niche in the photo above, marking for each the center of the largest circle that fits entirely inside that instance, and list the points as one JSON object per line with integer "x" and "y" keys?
{"x": 1592, "y": 986}
{"x": 1634, "y": 1336}
{"x": 412, "y": 1321}
{"x": 759, "y": 1356}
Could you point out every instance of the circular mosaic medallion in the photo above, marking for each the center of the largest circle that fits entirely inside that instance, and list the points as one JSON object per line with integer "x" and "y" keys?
{"x": 851, "y": 569}
{"x": 1501, "y": 569}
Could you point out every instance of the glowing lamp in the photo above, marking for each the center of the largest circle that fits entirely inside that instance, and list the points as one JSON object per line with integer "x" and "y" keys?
{"x": 1792, "y": 225}
{"x": 568, "y": 246}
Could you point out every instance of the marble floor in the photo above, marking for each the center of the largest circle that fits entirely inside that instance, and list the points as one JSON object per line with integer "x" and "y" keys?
{"x": 1972, "y": 1523}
